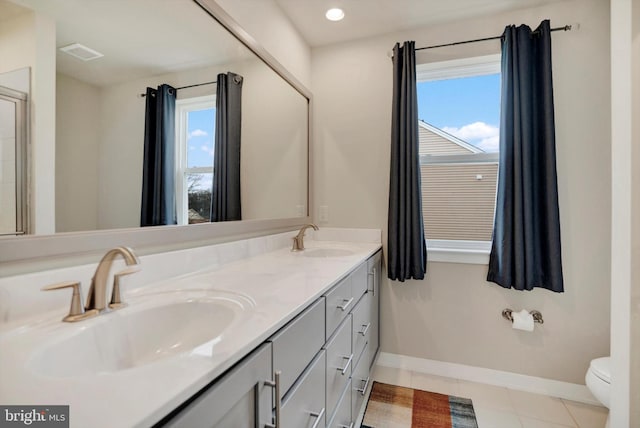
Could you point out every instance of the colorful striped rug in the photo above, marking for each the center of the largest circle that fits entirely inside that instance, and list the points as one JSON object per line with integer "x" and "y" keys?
{"x": 393, "y": 406}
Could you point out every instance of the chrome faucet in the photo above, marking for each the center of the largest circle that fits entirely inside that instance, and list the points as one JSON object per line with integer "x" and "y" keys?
{"x": 298, "y": 240}
{"x": 97, "y": 296}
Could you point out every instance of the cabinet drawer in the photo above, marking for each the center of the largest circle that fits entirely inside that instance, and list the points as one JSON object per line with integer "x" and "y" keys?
{"x": 304, "y": 405}
{"x": 374, "y": 334}
{"x": 362, "y": 323}
{"x": 339, "y": 302}
{"x": 240, "y": 398}
{"x": 342, "y": 417}
{"x": 359, "y": 384}
{"x": 339, "y": 361}
{"x": 374, "y": 266}
{"x": 295, "y": 345}
{"x": 359, "y": 281}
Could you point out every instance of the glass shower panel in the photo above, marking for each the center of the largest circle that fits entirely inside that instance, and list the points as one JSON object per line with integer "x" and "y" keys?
{"x": 13, "y": 162}
{"x": 8, "y": 196}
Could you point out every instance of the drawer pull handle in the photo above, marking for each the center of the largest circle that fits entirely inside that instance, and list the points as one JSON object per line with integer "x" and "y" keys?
{"x": 318, "y": 417}
{"x": 365, "y": 329}
{"x": 364, "y": 388}
{"x": 344, "y": 370}
{"x": 373, "y": 273}
{"x": 346, "y": 304}
{"x": 276, "y": 385}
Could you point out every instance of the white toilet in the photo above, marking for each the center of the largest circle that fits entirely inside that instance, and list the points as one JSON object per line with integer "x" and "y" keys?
{"x": 598, "y": 379}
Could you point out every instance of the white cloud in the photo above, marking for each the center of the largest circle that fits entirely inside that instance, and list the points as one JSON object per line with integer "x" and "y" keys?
{"x": 207, "y": 149}
{"x": 198, "y": 133}
{"x": 480, "y": 134}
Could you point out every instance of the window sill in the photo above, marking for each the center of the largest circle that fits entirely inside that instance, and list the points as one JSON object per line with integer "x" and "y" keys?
{"x": 467, "y": 252}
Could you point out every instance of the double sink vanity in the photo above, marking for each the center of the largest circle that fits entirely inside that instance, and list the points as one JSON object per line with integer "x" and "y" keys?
{"x": 246, "y": 333}
{"x": 237, "y": 334}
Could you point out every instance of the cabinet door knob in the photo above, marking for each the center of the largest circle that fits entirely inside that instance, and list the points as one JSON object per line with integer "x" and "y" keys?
{"x": 275, "y": 383}
{"x": 364, "y": 388}
{"x": 365, "y": 329}
{"x": 374, "y": 273}
{"x": 318, "y": 417}
{"x": 343, "y": 370}
{"x": 346, "y": 304}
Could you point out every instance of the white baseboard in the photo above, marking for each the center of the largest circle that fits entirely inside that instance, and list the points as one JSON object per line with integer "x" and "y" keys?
{"x": 538, "y": 385}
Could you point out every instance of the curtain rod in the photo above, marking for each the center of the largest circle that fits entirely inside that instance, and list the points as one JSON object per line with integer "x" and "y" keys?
{"x": 565, "y": 28}
{"x": 189, "y": 86}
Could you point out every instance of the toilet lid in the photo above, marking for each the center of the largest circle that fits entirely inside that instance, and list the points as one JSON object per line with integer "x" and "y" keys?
{"x": 601, "y": 367}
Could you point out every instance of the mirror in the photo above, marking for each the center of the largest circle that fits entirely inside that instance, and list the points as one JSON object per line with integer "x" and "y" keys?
{"x": 14, "y": 123}
{"x": 86, "y": 170}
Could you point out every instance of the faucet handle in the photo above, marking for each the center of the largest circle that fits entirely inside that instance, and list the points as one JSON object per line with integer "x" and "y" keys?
{"x": 116, "y": 299}
{"x": 76, "y": 311}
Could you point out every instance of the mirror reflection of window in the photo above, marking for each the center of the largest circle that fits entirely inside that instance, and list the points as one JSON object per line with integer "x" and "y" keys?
{"x": 195, "y": 129}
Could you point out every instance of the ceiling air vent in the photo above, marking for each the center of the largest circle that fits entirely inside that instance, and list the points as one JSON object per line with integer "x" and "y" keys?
{"x": 81, "y": 52}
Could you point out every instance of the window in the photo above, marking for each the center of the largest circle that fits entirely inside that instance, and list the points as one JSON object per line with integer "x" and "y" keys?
{"x": 195, "y": 132}
{"x": 458, "y": 106}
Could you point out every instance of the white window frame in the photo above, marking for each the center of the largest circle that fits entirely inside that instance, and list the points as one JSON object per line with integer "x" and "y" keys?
{"x": 183, "y": 108}
{"x": 457, "y": 251}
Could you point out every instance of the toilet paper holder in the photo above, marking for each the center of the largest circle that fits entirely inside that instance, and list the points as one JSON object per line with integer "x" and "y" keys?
{"x": 537, "y": 315}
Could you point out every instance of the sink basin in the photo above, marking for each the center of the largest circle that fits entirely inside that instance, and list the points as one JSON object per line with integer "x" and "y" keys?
{"x": 327, "y": 252}
{"x": 137, "y": 336}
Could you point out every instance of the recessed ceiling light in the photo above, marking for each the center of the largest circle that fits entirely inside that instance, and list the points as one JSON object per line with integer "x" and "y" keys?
{"x": 334, "y": 14}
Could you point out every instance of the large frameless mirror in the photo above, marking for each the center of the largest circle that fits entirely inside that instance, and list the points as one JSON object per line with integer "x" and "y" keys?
{"x": 150, "y": 113}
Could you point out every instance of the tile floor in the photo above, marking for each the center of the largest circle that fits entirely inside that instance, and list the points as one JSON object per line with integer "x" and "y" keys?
{"x": 498, "y": 407}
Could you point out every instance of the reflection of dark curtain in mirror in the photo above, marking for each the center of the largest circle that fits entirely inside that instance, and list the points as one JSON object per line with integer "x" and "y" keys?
{"x": 225, "y": 198}
{"x": 158, "y": 179}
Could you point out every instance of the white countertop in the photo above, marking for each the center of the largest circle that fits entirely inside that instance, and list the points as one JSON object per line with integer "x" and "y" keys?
{"x": 277, "y": 284}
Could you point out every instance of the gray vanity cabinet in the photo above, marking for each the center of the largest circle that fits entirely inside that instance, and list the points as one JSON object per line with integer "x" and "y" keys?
{"x": 340, "y": 300}
{"x": 339, "y": 364}
{"x": 295, "y": 345}
{"x": 362, "y": 322}
{"x": 342, "y": 417}
{"x": 324, "y": 357}
{"x": 374, "y": 272}
{"x": 359, "y": 281}
{"x": 304, "y": 404}
{"x": 240, "y": 399}
{"x": 359, "y": 383}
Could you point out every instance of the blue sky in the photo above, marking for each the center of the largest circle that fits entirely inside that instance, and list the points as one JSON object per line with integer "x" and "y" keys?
{"x": 201, "y": 136}
{"x": 468, "y": 108}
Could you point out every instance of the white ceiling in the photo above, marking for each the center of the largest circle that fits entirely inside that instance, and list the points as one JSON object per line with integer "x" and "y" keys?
{"x": 139, "y": 38}
{"x": 364, "y": 18}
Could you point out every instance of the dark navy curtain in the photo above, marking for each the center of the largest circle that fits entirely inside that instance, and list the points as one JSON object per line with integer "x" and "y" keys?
{"x": 407, "y": 252}
{"x": 526, "y": 252}
{"x": 158, "y": 171}
{"x": 225, "y": 199}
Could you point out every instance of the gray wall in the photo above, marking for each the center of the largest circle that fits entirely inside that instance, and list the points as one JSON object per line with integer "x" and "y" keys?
{"x": 454, "y": 314}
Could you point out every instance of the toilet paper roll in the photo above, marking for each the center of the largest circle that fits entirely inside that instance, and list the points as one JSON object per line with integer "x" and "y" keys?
{"x": 522, "y": 320}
